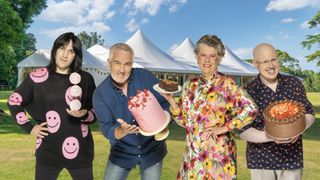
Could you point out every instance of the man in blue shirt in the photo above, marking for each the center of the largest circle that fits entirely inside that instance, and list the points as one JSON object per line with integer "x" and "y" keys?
{"x": 110, "y": 101}
{"x": 269, "y": 158}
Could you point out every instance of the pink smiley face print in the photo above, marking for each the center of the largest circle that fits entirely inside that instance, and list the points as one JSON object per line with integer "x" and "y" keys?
{"x": 15, "y": 99}
{"x": 38, "y": 142}
{"x": 53, "y": 120}
{"x": 84, "y": 130}
{"x": 70, "y": 147}
{"x": 22, "y": 118}
{"x": 39, "y": 75}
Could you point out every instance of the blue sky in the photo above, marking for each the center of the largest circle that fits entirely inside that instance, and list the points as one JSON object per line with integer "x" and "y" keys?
{"x": 241, "y": 24}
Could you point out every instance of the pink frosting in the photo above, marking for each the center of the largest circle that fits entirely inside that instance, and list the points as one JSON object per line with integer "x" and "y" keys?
{"x": 147, "y": 111}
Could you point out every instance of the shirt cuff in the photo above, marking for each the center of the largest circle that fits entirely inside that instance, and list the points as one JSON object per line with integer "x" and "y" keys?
{"x": 112, "y": 138}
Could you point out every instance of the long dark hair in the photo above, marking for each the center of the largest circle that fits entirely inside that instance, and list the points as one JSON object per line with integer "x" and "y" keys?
{"x": 63, "y": 40}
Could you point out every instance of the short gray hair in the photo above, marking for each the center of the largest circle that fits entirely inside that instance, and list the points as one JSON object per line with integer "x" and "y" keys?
{"x": 120, "y": 46}
{"x": 211, "y": 41}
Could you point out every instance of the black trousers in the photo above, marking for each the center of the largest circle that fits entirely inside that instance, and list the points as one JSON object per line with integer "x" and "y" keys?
{"x": 51, "y": 173}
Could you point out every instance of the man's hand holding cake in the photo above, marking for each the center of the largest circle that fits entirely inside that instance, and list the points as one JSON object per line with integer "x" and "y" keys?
{"x": 125, "y": 129}
{"x": 284, "y": 120}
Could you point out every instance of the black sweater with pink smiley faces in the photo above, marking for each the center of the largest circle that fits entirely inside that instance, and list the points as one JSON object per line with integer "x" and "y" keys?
{"x": 46, "y": 96}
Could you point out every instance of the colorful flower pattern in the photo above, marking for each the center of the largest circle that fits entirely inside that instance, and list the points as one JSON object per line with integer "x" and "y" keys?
{"x": 216, "y": 102}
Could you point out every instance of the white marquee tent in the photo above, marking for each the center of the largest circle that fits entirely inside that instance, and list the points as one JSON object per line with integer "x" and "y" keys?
{"x": 102, "y": 53}
{"x": 230, "y": 63}
{"x": 41, "y": 58}
{"x": 152, "y": 58}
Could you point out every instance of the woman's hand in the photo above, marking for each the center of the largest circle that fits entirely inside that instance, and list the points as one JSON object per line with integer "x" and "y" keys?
{"x": 77, "y": 113}
{"x": 214, "y": 132}
{"x": 40, "y": 130}
{"x": 171, "y": 101}
{"x": 168, "y": 97}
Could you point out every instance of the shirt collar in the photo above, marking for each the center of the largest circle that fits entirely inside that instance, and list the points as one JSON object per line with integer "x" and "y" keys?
{"x": 261, "y": 84}
{"x": 205, "y": 81}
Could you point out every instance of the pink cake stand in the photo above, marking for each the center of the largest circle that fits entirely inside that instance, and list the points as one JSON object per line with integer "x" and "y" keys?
{"x": 163, "y": 126}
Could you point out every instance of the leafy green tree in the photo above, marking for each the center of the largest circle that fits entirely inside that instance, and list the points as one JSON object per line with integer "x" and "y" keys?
{"x": 313, "y": 40}
{"x": 91, "y": 39}
{"x": 311, "y": 81}
{"x": 288, "y": 64}
{"x": 15, "y": 44}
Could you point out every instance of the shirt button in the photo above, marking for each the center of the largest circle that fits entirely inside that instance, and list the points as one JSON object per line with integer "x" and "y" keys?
{"x": 138, "y": 155}
{"x": 133, "y": 120}
{"x": 136, "y": 134}
{"x": 139, "y": 146}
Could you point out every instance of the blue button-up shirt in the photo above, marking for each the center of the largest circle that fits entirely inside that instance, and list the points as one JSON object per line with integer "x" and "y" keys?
{"x": 110, "y": 104}
{"x": 271, "y": 155}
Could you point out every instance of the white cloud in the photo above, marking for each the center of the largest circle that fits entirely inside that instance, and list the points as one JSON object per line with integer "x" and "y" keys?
{"x": 288, "y": 5}
{"x": 77, "y": 16}
{"x": 304, "y": 25}
{"x": 144, "y": 21}
{"x": 98, "y": 27}
{"x": 76, "y": 11}
{"x": 93, "y": 16}
{"x": 284, "y": 35}
{"x": 151, "y": 7}
{"x": 146, "y": 8}
{"x": 243, "y": 53}
{"x": 132, "y": 25}
{"x": 173, "y": 8}
{"x": 110, "y": 14}
{"x": 287, "y": 20}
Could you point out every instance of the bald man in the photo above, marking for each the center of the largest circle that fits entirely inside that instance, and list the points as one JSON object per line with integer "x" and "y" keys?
{"x": 269, "y": 158}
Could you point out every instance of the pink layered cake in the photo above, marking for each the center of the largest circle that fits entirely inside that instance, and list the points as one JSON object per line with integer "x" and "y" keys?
{"x": 148, "y": 113}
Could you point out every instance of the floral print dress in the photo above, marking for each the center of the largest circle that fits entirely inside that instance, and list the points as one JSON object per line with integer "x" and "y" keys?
{"x": 215, "y": 102}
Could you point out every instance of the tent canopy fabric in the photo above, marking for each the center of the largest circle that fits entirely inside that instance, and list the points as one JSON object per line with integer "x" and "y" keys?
{"x": 230, "y": 64}
{"x": 41, "y": 58}
{"x": 152, "y": 58}
{"x": 233, "y": 61}
{"x": 102, "y": 53}
{"x": 148, "y": 56}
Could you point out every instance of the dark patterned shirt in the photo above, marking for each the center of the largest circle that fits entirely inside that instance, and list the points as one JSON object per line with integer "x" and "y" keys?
{"x": 271, "y": 155}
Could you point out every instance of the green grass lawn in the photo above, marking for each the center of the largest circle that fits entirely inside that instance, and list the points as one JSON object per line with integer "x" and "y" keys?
{"x": 17, "y": 150}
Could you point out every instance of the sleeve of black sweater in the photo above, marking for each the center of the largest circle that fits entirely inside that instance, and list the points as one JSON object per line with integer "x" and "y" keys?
{"x": 17, "y": 102}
